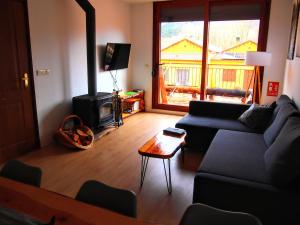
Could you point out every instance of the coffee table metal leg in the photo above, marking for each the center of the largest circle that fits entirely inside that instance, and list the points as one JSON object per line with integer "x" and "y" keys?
{"x": 144, "y": 165}
{"x": 168, "y": 178}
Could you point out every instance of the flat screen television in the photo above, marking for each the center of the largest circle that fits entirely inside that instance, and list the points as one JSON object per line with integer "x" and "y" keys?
{"x": 116, "y": 56}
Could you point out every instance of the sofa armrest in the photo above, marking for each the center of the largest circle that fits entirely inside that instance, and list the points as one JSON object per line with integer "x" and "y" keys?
{"x": 217, "y": 109}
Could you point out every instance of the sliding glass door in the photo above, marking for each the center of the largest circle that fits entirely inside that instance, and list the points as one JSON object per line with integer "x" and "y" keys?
{"x": 179, "y": 51}
{"x": 233, "y": 31}
{"x": 199, "y": 50}
{"x": 180, "y": 62}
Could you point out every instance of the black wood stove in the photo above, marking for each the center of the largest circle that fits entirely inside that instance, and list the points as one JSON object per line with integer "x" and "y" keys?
{"x": 95, "y": 109}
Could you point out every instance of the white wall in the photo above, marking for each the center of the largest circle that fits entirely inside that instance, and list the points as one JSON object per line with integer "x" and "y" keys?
{"x": 113, "y": 25}
{"x": 278, "y": 41}
{"x": 48, "y": 52}
{"x": 142, "y": 22}
{"x": 292, "y": 78}
{"x": 57, "y": 30}
{"x": 142, "y": 33}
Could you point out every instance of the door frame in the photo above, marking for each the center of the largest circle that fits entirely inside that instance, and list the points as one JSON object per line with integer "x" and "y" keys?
{"x": 157, "y": 6}
{"x": 31, "y": 76}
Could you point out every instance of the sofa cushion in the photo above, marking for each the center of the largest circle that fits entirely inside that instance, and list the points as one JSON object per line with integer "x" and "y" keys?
{"x": 257, "y": 117}
{"x": 195, "y": 122}
{"x": 273, "y": 130}
{"x": 238, "y": 155}
{"x": 282, "y": 159}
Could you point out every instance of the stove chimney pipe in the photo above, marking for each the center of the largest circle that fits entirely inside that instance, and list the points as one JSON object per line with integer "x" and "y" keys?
{"x": 91, "y": 45}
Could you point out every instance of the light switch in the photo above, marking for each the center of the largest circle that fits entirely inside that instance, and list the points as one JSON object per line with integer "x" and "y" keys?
{"x": 43, "y": 72}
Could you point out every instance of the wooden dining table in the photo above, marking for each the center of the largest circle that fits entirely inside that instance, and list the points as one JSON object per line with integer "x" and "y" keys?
{"x": 42, "y": 205}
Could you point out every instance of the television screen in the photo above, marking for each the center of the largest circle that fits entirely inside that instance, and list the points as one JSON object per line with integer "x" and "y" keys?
{"x": 116, "y": 56}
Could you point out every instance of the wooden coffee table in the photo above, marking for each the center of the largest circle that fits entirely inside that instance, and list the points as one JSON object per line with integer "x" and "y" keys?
{"x": 162, "y": 146}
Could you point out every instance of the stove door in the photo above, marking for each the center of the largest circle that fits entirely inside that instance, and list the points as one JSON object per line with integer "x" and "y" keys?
{"x": 106, "y": 114}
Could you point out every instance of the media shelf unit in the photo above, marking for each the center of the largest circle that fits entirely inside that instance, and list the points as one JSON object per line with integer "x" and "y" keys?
{"x": 132, "y": 102}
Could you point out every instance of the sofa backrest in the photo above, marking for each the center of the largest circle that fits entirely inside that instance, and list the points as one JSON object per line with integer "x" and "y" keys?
{"x": 217, "y": 109}
{"x": 283, "y": 99}
{"x": 282, "y": 158}
{"x": 284, "y": 112}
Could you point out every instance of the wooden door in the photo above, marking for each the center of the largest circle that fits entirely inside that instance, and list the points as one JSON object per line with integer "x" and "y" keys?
{"x": 18, "y": 133}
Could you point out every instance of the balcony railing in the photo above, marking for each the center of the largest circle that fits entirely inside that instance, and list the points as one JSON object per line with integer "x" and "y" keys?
{"x": 219, "y": 76}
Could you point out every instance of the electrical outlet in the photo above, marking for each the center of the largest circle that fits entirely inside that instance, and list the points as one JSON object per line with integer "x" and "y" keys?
{"x": 43, "y": 72}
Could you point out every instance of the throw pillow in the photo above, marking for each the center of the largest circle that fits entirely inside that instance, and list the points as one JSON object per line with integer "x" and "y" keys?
{"x": 257, "y": 117}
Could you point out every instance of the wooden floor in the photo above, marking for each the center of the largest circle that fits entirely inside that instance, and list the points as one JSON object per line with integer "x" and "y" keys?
{"x": 114, "y": 160}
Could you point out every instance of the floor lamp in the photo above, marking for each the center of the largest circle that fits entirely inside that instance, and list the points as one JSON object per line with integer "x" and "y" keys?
{"x": 257, "y": 59}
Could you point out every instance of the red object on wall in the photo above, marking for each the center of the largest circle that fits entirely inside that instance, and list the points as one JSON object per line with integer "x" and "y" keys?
{"x": 273, "y": 88}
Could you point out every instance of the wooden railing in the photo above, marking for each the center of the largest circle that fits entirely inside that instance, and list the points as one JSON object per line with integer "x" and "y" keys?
{"x": 218, "y": 76}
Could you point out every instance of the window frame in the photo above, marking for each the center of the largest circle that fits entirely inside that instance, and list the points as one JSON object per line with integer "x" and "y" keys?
{"x": 207, "y": 4}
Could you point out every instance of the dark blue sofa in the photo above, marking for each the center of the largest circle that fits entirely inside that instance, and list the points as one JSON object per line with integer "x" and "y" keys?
{"x": 257, "y": 173}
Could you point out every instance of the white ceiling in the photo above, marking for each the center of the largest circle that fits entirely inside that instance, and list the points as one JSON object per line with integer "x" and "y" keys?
{"x": 142, "y": 1}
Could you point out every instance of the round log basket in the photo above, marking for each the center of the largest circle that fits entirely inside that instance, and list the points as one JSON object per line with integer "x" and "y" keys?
{"x": 73, "y": 133}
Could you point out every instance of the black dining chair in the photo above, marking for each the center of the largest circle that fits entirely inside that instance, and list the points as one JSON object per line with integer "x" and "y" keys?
{"x": 102, "y": 195}
{"x": 19, "y": 171}
{"x": 199, "y": 214}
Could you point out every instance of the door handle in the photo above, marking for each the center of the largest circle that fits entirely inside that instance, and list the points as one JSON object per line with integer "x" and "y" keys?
{"x": 26, "y": 80}
{"x": 155, "y": 69}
